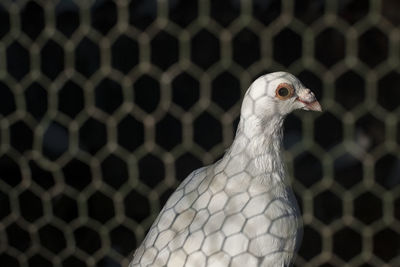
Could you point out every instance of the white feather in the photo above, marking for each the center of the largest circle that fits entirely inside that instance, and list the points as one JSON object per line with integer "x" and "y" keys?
{"x": 240, "y": 211}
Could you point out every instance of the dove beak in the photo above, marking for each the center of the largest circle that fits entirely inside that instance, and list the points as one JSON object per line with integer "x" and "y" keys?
{"x": 307, "y": 98}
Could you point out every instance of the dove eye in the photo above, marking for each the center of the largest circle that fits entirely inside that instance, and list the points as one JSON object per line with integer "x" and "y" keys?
{"x": 284, "y": 91}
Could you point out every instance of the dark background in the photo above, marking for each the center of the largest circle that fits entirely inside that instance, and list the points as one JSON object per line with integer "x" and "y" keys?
{"x": 106, "y": 106}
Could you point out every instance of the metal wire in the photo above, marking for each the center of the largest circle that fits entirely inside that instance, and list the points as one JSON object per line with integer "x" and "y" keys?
{"x": 106, "y": 106}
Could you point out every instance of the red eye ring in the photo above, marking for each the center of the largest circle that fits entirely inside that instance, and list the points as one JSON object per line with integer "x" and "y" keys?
{"x": 284, "y": 91}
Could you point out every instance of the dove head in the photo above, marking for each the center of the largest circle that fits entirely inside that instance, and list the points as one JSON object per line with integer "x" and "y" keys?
{"x": 265, "y": 105}
{"x": 277, "y": 94}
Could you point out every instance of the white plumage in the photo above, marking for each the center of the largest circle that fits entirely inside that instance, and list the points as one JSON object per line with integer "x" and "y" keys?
{"x": 240, "y": 211}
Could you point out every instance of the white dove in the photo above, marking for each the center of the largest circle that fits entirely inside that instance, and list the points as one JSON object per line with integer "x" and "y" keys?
{"x": 239, "y": 211}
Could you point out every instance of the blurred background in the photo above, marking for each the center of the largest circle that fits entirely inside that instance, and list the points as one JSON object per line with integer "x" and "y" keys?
{"x": 106, "y": 106}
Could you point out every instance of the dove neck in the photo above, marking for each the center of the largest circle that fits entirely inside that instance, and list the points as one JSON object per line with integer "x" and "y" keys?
{"x": 257, "y": 146}
{"x": 257, "y": 136}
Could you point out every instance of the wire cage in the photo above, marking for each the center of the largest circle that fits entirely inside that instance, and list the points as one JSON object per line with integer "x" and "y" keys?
{"x": 106, "y": 106}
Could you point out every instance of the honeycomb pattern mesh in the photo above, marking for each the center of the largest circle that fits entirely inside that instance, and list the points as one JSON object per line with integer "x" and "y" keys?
{"x": 106, "y": 106}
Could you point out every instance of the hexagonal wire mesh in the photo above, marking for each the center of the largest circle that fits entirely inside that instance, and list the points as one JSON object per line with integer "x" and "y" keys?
{"x": 107, "y": 106}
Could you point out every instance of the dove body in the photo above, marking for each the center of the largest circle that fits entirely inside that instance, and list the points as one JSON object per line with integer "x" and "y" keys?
{"x": 241, "y": 210}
